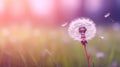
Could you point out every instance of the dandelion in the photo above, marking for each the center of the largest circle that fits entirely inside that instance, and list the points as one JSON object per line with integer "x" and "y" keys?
{"x": 82, "y": 30}
{"x": 86, "y": 23}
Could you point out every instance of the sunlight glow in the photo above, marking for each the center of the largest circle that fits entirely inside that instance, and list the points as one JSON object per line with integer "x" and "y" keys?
{"x": 17, "y": 8}
{"x": 2, "y": 6}
{"x": 41, "y": 7}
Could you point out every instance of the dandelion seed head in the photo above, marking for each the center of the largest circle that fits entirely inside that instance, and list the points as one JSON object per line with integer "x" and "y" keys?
{"x": 82, "y": 22}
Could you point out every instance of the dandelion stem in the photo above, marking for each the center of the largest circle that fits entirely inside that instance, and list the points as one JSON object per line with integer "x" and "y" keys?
{"x": 87, "y": 55}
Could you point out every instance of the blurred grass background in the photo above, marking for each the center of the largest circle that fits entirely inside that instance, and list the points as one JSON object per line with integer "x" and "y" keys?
{"x": 27, "y": 40}
{"x": 54, "y": 48}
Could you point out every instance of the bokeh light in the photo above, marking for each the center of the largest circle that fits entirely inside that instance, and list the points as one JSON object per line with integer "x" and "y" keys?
{"x": 33, "y": 33}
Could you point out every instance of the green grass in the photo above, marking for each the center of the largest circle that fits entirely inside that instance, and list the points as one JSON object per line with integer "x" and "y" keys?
{"x": 54, "y": 48}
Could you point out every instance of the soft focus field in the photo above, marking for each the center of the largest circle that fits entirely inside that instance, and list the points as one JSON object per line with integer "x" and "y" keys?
{"x": 34, "y": 47}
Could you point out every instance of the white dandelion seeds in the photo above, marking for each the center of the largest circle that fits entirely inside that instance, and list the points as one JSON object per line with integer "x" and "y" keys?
{"x": 102, "y": 37}
{"x": 107, "y": 15}
{"x": 82, "y": 22}
{"x": 65, "y": 24}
